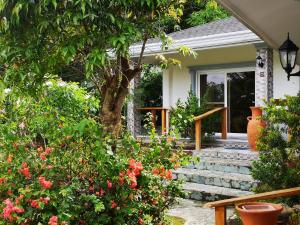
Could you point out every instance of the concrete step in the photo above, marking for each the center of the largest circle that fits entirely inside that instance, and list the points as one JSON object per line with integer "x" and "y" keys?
{"x": 203, "y": 192}
{"x": 216, "y": 178}
{"x": 221, "y": 153}
{"x": 222, "y": 165}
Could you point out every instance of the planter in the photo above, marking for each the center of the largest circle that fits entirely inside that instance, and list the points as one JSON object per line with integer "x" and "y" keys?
{"x": 255, "y": 124}
{"x": 257, "y": 213}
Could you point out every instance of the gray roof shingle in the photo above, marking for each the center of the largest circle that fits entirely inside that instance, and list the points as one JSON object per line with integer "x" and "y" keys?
{"x": 227, "y": 25}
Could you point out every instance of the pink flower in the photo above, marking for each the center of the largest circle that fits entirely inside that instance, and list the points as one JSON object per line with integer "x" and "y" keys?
{"x": 46, "y": 184}
{"x": 53, "y": 220}
{"x": 9, "y": 209}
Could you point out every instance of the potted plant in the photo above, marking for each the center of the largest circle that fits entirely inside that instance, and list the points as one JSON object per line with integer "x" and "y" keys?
{"x": 257, "y": 213}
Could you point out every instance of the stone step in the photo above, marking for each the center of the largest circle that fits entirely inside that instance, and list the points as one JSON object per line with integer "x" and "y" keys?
{"x": 222, "y": 165}
{"x": 221, "y": 153}
{"x": 216, "y": 178}
{"x": 204, "y": 192}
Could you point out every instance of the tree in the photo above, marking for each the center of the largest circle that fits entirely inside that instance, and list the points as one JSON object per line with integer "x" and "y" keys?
{"x": 201, "y": 12}
{"x": 40, "y": 38}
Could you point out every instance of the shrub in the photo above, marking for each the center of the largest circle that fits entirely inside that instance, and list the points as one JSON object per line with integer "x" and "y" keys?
{"x": 182, "y": 116}
{"x": 278, "y": 166}
{"x": 70, "y": 175}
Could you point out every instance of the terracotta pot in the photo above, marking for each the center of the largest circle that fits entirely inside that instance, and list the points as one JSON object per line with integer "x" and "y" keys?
{"x": 255, "y": 124}
{"x": 257, "y": 213}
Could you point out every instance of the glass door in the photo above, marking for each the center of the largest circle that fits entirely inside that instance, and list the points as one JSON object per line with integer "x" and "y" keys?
{"x": 240, "y": 96}
{"x": 212, "y": 86}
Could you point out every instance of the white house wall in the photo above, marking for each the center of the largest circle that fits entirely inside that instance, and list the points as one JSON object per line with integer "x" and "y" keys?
{"x": 283, "y": 87}
{"x": 176, "y": 85}
{"x": 177, "y": 81}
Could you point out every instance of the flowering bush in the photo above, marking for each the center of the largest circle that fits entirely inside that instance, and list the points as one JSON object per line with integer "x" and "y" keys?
{"x": 56, "y": 167}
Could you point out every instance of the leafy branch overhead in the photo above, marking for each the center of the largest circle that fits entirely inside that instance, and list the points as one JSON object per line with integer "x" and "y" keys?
{"x": 89, "y": 38}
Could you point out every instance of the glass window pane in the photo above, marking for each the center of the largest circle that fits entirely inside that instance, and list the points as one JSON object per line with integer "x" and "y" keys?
{"x": 212, "y": 86}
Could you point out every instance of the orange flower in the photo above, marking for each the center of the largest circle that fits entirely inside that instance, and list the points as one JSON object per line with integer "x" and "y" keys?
{"x": 9, "y": 158}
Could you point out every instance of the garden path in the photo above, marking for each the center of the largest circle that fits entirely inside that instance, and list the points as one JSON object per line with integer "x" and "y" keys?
{"x": 194, "y": 213}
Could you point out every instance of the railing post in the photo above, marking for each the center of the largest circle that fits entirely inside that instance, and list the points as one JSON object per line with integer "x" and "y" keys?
{"x": 163, "y": 121}
{"x": 153, "y": 112}
{"x": 224, "y": 123}
{"x": 198, "y": 134}
{"x": 220, "y": 215}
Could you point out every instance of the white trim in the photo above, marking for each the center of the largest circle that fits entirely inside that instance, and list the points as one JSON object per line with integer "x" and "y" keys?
{"x": 199, "y": 43}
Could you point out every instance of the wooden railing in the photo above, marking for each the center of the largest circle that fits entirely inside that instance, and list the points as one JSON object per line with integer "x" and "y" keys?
{"x": 198, "y": 124}
{"x": 153, "y": 110}
{"x": 220, "y": 206}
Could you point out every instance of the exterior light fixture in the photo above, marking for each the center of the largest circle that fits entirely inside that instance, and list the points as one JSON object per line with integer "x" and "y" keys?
{"x": 288, "y": 55}
{"x": 260, "y": 61}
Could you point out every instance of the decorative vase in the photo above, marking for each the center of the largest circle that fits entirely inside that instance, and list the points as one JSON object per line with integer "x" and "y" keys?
{"x": 258, "y": 213}
{"x": 255, "y": 124}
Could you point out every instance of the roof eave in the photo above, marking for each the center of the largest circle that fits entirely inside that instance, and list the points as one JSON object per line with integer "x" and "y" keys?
{"x": 200, "y": 43}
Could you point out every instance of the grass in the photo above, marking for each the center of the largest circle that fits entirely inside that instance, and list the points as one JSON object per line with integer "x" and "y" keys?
{"x": 177, "y": 220}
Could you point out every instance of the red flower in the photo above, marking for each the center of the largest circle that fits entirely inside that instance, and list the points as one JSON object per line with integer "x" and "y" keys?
{"x": 109, "y": 184}
{"x": 43, "y": 156}
{"x": 25, "y": 170}
{"x": 140, "y": 221}
{"x": 169, "y": 174}
{"x": 2, "y": 180}
{"x": 113, "y": 204}
{"x": 53, "y": 220}
{"x": 46, "y": 184}
{"x": 121, "y": 178}
{"x": 45, "y": 200}
{"x": 155, "y": 171}
{"x": 35, "y": 204}
{"x": 136, "y": 167}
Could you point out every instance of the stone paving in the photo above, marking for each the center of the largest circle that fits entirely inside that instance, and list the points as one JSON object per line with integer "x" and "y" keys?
{"x": 194, "y": 213}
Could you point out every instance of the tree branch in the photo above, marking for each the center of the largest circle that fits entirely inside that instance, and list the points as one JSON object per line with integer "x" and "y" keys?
{"x": 142, "y": 50}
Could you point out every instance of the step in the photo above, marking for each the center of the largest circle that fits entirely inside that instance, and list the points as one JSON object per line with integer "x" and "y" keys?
{"x": 216, "y": 178}
{"x": 203, "y": 192}
{"x": 222, "y": 165}
{"x": 221, "y": 153}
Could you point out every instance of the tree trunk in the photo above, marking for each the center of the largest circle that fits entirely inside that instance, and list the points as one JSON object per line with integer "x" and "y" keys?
{"x": 113, "y": 95}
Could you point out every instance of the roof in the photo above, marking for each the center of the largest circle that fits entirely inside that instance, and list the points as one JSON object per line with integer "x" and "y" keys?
{"x": 228, "y": 25}
{"x": 214, "y": 34}
{"x": 269, "y": 19}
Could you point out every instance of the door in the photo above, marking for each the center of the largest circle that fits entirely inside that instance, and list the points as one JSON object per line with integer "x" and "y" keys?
{"x": 240, "y": 96}
{"x": 212, "y": 87}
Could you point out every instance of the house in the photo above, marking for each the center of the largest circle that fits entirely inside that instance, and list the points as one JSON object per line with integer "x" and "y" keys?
{"x": 227, "y": 66}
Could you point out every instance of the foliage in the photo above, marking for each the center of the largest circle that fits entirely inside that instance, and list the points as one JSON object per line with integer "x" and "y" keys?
{"x": 150, "y": 88}
{"x": 70, "y": 175}
{"x": 294, "y": 218}
{"x": 81, "y": 38}
{"x": 209, "y": 11}
{"x": 278, "y": 166}
{"x": 182, "y": 115}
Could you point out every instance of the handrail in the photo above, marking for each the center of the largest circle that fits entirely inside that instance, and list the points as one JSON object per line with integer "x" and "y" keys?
{"x": 202, "y": 116}
{"x": 164, "y": 115}
{"x": 220, "y": 206}
{"x": 198, "y": 120}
